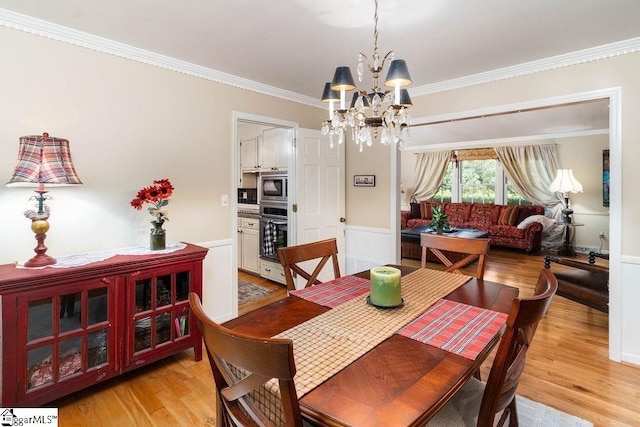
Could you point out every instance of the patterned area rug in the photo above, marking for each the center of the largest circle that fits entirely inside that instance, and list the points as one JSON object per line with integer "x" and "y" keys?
{"x": 249, "y": 292}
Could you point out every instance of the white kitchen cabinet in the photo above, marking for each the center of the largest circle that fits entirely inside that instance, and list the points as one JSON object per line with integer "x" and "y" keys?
{"x": 248, "y": 244}
{"x": 272, "y": 271}
{"x": 274, "y": 149}
{"x": 250, "y": 154}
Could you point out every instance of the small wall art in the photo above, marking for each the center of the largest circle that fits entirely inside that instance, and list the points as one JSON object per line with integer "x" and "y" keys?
{"x": 364, "y": 180}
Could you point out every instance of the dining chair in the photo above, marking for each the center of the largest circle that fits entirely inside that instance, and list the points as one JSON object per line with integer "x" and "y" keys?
{"x": 478, "y": 403}
{"x": 292, "y": 256}
{"x": 242, "y": 363}
{"x": 475, "y": 249}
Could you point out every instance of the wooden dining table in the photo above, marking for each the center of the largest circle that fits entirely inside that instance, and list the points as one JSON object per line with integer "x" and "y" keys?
{"x": 400, "y": 381}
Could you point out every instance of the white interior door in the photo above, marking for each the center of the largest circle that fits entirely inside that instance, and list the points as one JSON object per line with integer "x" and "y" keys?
{"x": 319, "y": 192}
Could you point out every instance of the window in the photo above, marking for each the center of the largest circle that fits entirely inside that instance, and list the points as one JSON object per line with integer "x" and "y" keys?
{"x": 478, "y": 181}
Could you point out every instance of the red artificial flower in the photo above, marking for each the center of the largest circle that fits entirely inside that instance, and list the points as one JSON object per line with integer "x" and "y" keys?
{"x": 157, "y": 195}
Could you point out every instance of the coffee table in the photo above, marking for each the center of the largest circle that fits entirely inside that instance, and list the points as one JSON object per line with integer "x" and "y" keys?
{"x": 410, "y": 241}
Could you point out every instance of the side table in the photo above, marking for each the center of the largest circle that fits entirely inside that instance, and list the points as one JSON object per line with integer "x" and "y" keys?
{"x": 567, "y": 247}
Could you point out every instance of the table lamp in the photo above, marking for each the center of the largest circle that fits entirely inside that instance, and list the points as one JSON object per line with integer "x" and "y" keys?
{"x": 566, "y": 183}
{"x": 42, "y": 159}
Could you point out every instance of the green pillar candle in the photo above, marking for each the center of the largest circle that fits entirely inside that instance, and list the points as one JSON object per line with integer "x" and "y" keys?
{"x": 385, "y": 286}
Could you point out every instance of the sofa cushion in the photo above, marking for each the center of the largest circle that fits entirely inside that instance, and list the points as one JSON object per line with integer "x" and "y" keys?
{"x": 509, "y": 215}
{"x": 458, "y": 213}
{"x": 484, "y": 213}
{"x": 506, "y": 231}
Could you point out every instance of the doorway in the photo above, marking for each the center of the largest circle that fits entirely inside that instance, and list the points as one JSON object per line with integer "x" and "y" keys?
{"x": 612, "y": 95}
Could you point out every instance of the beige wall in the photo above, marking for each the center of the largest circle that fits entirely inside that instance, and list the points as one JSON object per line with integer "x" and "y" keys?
{"x": 128, "y": 123}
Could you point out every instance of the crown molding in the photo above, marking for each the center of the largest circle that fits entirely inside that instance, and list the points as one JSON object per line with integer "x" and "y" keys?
{"x": 60, "y": 33}
{"x": 560, "y": 61}
{"x": 57, "y": 32}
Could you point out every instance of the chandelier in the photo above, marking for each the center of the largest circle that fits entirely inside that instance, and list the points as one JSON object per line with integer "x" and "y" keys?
{"x": 371, "y": 112}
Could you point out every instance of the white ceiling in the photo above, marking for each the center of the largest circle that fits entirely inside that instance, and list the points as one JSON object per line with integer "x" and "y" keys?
{"x": 295, "y": 45}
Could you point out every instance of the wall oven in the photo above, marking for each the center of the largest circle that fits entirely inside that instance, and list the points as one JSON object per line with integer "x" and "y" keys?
{"x": 273, "y": 229}
{"x": 273, "y": 187}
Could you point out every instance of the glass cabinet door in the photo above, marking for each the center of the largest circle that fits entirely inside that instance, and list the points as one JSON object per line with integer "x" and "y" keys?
{"x": 66, "y": 334}
{"x": 160, "y": 309}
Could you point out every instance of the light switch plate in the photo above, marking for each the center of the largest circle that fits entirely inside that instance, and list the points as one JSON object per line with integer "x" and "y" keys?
{"x": 225, "y": 200}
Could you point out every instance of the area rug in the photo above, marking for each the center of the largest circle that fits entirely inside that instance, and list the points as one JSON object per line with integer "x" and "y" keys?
{"x": 534, "y": 414}
{"x": 249, "y": 292}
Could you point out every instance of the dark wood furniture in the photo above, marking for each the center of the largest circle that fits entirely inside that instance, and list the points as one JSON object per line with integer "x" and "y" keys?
{"x": 261, "y": 359}
{"x": 442, "y": 246}
{"x": 410, "y": 242}
{"x": 322, "y": 251}
{"x": 65, "y": 329}
{"x": 400, "y": 382}
{"x": 586, "y": 282}
{"x": 499, "y": 393}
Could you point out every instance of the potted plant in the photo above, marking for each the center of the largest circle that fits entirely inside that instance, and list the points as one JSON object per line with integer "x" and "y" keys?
{"x": 439, "y": 219}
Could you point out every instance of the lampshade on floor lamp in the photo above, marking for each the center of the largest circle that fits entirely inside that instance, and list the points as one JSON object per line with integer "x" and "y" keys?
{"x": 566, "y": 183}
{"x": 42, "y": 159}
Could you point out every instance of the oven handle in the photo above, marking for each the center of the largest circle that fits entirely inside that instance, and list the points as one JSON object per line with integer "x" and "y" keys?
{"x": 274, "y": 221}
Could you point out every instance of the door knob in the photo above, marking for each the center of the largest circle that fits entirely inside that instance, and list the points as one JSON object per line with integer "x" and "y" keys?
{"x": 343, "y": 219}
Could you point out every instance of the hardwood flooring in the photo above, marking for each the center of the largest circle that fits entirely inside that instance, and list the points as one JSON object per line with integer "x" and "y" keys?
{"x": 567, "y": 368}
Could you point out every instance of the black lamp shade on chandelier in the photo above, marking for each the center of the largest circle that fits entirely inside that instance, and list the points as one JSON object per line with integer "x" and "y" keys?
{"x": 371, "y": 112}
{"x": 42, "y": 159}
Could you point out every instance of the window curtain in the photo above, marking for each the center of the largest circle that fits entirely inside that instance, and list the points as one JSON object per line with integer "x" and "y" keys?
{"x": 530, "y": 169}
{"x": 428, "y": 174}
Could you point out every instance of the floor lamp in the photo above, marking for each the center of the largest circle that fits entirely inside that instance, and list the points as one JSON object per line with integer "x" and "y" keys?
{"x": 566, "y": 183}
{"x": 42, "y": 159}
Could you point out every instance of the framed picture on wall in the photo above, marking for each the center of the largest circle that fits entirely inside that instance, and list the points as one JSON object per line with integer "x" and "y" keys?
{"x": 364, "y": 180}
{"x": 605, "y": 178}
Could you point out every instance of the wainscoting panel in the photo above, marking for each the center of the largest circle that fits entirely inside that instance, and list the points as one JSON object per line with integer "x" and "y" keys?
{"x": 220, "y": 280}
{"x": 630, "y": 293}
{"x": 367, "y": 248}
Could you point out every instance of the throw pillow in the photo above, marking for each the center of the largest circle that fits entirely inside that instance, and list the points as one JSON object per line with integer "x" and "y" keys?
{"x": 524, "y": 212}
{"x": 546, "y": 222}
{"x": 415, "y": 210}
{"x": 509, "y": 215}
{"x": 425, "y": 210}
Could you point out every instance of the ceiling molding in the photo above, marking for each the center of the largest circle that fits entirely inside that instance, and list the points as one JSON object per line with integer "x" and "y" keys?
{"x": 60, "y": 33}
{"x": 518, "y": 140}
{"x": 560, "y": 61}
{"x": 64, "y": 34}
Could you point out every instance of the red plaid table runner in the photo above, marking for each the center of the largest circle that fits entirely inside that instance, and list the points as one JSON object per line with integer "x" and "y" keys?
{"x": 455, "y": 327}
{"x": 333, "y": 293}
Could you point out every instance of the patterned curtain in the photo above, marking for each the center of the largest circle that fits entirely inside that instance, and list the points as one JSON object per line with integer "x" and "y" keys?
{"x": 428, "y": 174}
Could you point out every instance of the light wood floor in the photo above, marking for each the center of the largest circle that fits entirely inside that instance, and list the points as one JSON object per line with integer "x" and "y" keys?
{"x": 567, "y": 368}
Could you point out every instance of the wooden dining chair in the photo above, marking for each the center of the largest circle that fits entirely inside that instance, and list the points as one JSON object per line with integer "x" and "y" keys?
{"x": 475, "y": 249}
{"x": 260, "y": 358}
{"x": 478, "y": 403}
{"x": 292, "y": 256}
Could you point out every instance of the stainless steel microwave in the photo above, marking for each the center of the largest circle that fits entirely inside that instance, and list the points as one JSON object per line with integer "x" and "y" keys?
{"x": 273, "y": 186}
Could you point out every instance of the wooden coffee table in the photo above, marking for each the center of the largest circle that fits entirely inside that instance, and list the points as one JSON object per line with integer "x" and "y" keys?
{"x": 410, "y": 242}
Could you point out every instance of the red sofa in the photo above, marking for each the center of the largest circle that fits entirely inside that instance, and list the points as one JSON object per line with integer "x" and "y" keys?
{"x": 500, "y": 221}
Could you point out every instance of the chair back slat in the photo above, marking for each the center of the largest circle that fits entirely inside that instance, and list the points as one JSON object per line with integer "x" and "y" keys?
{"x": 292, "y": 256}
{"x": 258, "y": 359}
{"x": 474, "y": 249}
{"x": 510, "y": 359}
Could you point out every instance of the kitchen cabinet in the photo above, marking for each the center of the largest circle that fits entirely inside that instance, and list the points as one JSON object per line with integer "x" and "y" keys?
{"x": 70, "y": 328}
{"x": 250, "y": 154}
{"x": 249, "y": 244}
{"x": 272, "y": 271}
{"x": 274, "y": 149}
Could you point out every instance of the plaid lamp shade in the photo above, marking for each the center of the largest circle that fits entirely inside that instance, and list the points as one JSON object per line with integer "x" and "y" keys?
{"x": 44, "y": 159}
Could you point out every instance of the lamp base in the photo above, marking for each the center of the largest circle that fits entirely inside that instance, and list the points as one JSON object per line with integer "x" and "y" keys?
{"x": 40, "y": 227}
{"x": 40, "y": 260}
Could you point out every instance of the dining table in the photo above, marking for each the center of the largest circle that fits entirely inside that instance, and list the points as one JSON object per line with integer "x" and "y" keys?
{"x": 361, "y": 365}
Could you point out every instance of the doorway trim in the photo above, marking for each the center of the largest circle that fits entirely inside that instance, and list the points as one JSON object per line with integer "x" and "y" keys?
{"x": 615, "y": 208}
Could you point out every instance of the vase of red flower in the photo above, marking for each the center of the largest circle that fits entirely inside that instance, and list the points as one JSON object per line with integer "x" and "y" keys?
{"x": 157, "y": 195}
